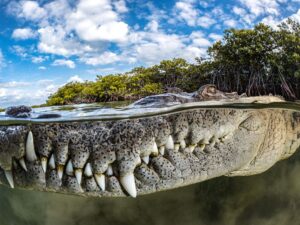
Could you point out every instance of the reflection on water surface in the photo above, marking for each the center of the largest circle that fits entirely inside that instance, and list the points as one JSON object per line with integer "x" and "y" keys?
{"x": 269, "y": 199}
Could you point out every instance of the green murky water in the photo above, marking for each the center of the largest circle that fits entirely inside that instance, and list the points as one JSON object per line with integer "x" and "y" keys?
{"x": 271, "y": 198}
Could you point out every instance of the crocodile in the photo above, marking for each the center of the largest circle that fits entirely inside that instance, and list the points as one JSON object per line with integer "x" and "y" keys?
{"x": 145, "y": 154}
{"x": 176, "y": 95}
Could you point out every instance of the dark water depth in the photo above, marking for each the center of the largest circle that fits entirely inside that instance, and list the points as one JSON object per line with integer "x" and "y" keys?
{"x": 271, "y": 198}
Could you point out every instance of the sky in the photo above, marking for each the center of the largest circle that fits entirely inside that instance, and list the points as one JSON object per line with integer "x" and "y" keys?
{"x": 47, "y": 43}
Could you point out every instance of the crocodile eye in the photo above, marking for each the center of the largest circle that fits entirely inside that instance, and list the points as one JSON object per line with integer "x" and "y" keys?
{"x": 212, "y": 90}
{"x": 252, "y": 123}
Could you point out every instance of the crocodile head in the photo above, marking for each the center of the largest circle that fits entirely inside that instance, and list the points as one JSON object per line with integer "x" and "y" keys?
{"x": 147, "y": 154}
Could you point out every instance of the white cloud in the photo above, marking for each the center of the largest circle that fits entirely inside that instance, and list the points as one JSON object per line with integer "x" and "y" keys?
{"x": 55, "y": 40}
{"x": 215, "y": 37}
{"x": 107, "y": 70}
{"x": 199, "y": 40}
{"x": 267, "y": 11}
{"x": 73, "y": 30}
{"x": 102, "y": 59}
{"x": 239, "y": 11}
{"x": 204, "y": 3}
{"x": 42, "y": 68}
{"x": 152, "y": 26}
{"x": 37, "y": 59}
{"x": 96, "y": 21}
{"x": 3, "y": 92}
{"x": 23, "y": 33}
{"x": 58, "y": 9}
{"x": 186, "y": 12}
{"x": 95, "y": 32}
{"x": 120, "y": 6}
{"x": 26, "y": 54}
{"x": 230, "y": 23}
{"x": 159, "y": 46}
{"x": 191, "y": 52}
{"x": 112, "y": 31}
{"x": 206, "y": 21}
{"x": 152, "y": 47}
{"x": 31, "y": 10}
{"x": 75, "y": 78}
{"x": 86, "y": 28}
{"x": 19, "y": 51}
{"x": 296, "y": 16}
{"x": 14, "y": 84}
{"x": 64, "y": 62}
{"x": 271, "y": 21}
{"x": 28, "y": 93}
{"x": 274, "y": 22}
{"x": 259, "y": 7}
{"x": 155, "y": 13}
{"x": 45, "y": 82}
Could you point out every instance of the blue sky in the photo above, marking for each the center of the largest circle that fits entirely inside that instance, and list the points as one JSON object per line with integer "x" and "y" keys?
{"x": 46, "y": 43}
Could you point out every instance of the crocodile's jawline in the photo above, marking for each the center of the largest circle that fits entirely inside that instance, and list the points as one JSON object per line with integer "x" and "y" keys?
{"x": 146, "y": 155}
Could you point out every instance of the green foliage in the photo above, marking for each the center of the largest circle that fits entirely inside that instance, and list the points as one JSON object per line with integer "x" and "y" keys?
{"x": 69, "y": 93}
{"x": 138, "y": 83}
{"x": 257, "y": 61}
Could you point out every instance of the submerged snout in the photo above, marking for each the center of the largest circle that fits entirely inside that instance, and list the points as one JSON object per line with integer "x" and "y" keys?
{"x": 137, "y": 156}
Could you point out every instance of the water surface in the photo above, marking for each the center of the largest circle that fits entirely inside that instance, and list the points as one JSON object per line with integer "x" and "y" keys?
{"x": 124, "y": 110}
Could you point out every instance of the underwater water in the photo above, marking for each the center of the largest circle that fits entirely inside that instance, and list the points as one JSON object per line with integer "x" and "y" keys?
{"x": 270, "y": 198}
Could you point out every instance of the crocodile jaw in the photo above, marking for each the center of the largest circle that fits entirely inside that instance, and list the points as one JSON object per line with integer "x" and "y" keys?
{"x": 146, "y": 155}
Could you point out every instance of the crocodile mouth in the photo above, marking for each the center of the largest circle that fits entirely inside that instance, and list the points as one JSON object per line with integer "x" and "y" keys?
{"x": 129, "y": 156}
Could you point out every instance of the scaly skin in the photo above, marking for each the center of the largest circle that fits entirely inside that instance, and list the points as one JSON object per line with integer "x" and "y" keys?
{"x": 145, "y": 155}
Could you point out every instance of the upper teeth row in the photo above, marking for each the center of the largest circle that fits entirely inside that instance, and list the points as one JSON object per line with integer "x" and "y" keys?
{"x": 127, "y": 180}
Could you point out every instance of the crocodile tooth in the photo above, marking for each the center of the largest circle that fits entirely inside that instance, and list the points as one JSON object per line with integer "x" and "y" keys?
{"x": 176, "y": 147}
{"x": 154, "y": 149}
{"x": 225, "y": 137}
{"x": 182, "y": 144}
{"x": 162, "y": 150}
{"x": 100, "y": 179}
{"x": 60, "y": 171}
{"x": 212, "y": 141}
{"x": 109, "y": 171}
{"x": 44, "y": 161}
{"x": 78, "y": 175}
{"x": 23, "y": 164}
{"x": 128, "y": 183}
{"x": 139, "y": 162}
{"x": 202, "y": 147}
{"x": 192, "y": 148}
{"x": 69, "y": 168}
{"x": 30, "y": 152}
{"x": 52, "y": 162}
{"x": 146, "y": 159}
{"x": 170, "y": 143}
{"x": 88, "y": 170}
{"x": 9, "y": 177}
